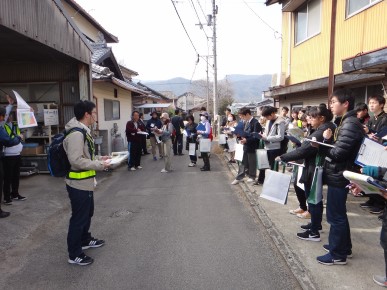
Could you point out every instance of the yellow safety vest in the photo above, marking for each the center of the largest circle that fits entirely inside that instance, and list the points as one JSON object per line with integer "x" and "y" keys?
{"x": 12, "y": 131}
{"x": 79, "y": 175}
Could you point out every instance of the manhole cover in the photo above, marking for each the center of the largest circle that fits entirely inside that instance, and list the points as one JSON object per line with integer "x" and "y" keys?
{"x": 121, "y": 213}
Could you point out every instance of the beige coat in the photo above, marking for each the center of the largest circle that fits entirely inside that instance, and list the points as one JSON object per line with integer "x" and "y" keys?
{"x": 79, "y": 156}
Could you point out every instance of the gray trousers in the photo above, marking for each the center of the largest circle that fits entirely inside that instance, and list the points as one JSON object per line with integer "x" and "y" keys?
{"x": 248, "y": 165}
{"x": 167, "y": 154}
{"x": 154, "y": 144}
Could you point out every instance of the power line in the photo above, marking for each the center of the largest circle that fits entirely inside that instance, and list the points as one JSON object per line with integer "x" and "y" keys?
{"x": 181, "y": 21}
{"x": 264, "y": 22}
{"x": 201, "y": 8}
{"x": 200, "y": 23}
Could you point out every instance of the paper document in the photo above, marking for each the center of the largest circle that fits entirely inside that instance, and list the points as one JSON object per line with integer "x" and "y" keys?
{"x": 321, "y": 143}
{"x": 296, "y": 132}
{"x": 365, "y": 182}
{"x": 25, "y": 116}
{"x": 371, "y": 153}
{"x": 142, "y": 133}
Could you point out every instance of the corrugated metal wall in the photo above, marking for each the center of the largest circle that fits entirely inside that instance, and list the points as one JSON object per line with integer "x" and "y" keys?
{"x": 310, "y": 59}
{"x": 363, "y": 32}
{"x": 44, "y": 22}
{"x": 38, "y": 72}
{"x": 306, "y": 99}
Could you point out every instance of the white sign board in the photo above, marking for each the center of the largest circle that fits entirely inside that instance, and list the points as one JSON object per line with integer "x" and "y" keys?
{"x": 51, "y": 117}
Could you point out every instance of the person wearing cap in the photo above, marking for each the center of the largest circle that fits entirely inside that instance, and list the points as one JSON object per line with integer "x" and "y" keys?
{"x": 154, "y": 122}
{"x": 204, "y": 129}
{"x": 5, "y": 141}
{"x": 165, "y": 134}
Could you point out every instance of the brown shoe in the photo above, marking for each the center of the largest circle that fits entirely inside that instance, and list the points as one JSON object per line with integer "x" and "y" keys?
{"x": 296, "y": 211}
{"x": 304, "y": 215}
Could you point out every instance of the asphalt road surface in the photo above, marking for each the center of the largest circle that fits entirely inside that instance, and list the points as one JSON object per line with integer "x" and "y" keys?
{"x": 181, "y": 230}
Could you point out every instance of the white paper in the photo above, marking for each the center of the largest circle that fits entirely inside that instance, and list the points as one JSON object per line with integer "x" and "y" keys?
{"x": 142, "y": 133}
{"x": 192, "y": 149}
{"x": 25, "y": 118}
{"x": 299, "y": 173}
{"x": 238, "y": 152}
{"x": 21, "y": 104}
{"x": 372, "y": 153}
{"x": 363, "y": 181}
{"x": 276, "y": 186}
{"x": 262, "y": 160}
{"x": 51, "y": 117}
{"x": 321, "y": 143}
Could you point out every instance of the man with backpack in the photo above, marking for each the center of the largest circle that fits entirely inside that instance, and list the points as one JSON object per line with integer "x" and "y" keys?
{"x": 80, "y": 181}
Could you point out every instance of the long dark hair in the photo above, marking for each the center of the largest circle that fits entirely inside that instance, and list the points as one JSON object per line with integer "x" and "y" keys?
{"x": 321, "y": 111}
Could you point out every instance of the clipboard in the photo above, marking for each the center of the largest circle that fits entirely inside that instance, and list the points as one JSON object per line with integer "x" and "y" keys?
{"x": 321, "y": 143}
{"x": 371, "y": 153}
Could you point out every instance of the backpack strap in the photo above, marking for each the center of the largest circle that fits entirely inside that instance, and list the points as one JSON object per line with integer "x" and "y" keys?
{"x": 86, "y": 138}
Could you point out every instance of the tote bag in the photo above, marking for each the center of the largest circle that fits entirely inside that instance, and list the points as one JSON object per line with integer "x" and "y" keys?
{"x": 276, "y": 186}
{"x": 239, "y": 152}
{"x": 222, "y": 139}
{"x": 316, "y": 190}
{"x": 205, "y": 145}
{"x": 231, "y": 142}
{"x": 192, "y": 149}
{"x": 262, "y": 160}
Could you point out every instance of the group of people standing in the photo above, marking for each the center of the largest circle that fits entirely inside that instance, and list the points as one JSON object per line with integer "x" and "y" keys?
{"x": 346, "y": 133}
{"x": 166, "y": 134}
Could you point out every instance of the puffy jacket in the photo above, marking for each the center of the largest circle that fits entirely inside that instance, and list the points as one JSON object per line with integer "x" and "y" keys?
{"x": 131, "y": 131}
{"x": 308, "y": 152}
{"x": 350, "y": 134}
{"x": 375, "y": 124}
{"x": 78, "y": 153}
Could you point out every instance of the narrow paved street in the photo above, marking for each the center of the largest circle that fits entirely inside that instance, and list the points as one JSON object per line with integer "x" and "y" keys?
{"x": 182, "y": 230}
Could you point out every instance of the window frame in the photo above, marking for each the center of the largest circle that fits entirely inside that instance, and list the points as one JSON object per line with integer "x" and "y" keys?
{"x": 347, "y": 15}
{"x": 113, "y": 116}
{"x": 307, "y": 19}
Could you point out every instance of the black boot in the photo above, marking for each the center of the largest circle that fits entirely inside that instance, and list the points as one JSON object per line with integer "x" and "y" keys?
{"x": 4, "y": 214}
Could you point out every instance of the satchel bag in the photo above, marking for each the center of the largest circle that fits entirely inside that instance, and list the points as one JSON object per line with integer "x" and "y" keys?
{"x": 222, "y": 139}
{"x": 316, "y": 190}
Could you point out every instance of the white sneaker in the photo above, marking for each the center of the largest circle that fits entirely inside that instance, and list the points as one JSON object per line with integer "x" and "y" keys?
{"x": 139, "y": 167}
{"x": 192, "y": 165}
{"x": 250, "y": 180}
{"x": 133, "y": 169}
{"x": 235, "y": 182}
{"x": 163, "y": 171}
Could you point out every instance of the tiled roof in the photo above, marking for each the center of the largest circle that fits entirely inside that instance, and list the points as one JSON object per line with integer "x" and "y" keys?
{"x": 128, "y": 86}
{"x": 99, "y": 53}
{"x": 100, "y": 72}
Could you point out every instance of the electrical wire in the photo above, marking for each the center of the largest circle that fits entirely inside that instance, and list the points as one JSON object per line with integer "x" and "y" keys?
{"x": 200, "y": 23}
{"x": 204, "y": 14}
{"x": 264, "y": 22}
{"x": 181, "y": 21}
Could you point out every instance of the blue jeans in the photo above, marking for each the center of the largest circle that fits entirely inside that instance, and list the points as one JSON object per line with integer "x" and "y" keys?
{"x": 82, "y": 209}
{"x": 339, "y": 235}
{"x": 129, "y": 143}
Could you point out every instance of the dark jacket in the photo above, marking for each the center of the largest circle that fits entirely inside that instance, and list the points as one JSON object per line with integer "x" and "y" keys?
{"x": 156, "y": 122}
{"x": 191, "y": 134}
{"x": 350, "y": 135}
{"x": 308, "y": 152}
{"x": 375, "y": 124}
{"x": 178, "y": 124}
{"x": 382, "y": 176}
{"x": 131, "y": 131}
{"x": 252, "y": 141}
{"x": 6, "y": 140}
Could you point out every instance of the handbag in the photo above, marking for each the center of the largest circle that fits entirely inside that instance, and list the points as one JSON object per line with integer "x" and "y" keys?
{"x": 316, "y": 190}
{"x": 222, "y": 139}
{"x": 231, "y": 142}
{"x": 262, "y": 160}
{"x": 239, "y": 152}
{"x": 192, "y": 149}
{"x": 205, "y": 145}
{"x": 276, "y": 185}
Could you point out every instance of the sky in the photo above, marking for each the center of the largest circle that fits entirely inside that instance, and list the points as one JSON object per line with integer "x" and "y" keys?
{"x": 153, "y": 42}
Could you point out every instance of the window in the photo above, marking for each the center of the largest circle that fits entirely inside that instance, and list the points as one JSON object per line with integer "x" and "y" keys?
{"x": 308, "y": 20}
{"x": 112, "y": 110}
{"x": 354, "y": 6}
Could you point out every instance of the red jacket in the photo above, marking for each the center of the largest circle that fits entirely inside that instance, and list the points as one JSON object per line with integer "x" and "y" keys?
{"x": 131, "y": 131}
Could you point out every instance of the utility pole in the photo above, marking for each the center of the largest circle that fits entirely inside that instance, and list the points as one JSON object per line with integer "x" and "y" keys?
{"x": 214, "y": 12}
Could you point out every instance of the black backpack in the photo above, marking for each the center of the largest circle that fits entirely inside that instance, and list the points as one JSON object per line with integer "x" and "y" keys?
{"x": 58, "y": 162}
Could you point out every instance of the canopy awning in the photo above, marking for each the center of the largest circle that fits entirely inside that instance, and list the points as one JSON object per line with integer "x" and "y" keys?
{"x": 152, "y": 106}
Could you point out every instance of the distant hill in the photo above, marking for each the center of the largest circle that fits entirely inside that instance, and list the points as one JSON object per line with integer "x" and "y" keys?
{"x": 246, "y": 87}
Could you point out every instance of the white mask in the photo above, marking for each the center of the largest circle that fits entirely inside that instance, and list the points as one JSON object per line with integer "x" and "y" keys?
{"x": 230, "y": 119}
{"x": 202, "y": 118}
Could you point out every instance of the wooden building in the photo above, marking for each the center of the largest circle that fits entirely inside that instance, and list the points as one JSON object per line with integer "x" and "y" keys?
{"x": 328, "y": 45}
